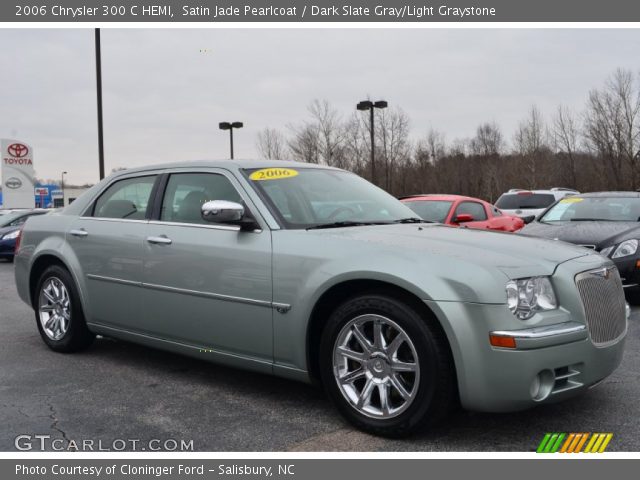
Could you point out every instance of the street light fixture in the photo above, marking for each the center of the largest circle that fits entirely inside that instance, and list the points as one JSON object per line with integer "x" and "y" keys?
{"x": 62, "y": 186}
{"x": 369, "y": 105}
{"x": 230, "y": 126}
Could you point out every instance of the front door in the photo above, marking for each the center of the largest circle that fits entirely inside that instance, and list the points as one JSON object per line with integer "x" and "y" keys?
{"x": 207, "y": 285}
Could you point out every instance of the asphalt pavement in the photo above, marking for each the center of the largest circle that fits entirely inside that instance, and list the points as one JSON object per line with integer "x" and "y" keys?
{"x": 120, "y": 395}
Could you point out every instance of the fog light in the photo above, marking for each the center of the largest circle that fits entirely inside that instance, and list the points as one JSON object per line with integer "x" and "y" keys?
{"x": 542, "y": 385}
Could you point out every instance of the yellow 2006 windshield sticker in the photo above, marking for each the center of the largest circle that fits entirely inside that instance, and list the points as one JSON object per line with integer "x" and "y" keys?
{"x": 571, "y": 200}
{"x": 273, "y": 174}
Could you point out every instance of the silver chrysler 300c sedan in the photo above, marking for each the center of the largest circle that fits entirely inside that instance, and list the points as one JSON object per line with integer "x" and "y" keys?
{"x": 312, "y": 273}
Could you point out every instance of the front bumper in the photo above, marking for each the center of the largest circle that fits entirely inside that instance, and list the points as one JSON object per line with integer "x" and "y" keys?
{"x": 7, "y": 248}
{"x": 553, "y": 359}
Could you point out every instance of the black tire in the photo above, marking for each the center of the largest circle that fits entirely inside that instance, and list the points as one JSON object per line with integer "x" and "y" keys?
{"x": 436, "y": 393}
{"x": 10, "y": 259}
{"x": 77, "y": 336}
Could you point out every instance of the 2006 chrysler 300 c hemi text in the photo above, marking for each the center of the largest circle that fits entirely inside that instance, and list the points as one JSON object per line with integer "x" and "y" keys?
{"x": 312, "y": 273}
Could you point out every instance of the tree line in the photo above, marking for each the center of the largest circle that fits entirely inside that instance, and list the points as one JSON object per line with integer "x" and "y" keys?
{"x": 597, "y": 148}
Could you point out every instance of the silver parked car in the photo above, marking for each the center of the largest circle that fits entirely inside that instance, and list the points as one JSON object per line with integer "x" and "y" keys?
{"x": 312, "y": 273}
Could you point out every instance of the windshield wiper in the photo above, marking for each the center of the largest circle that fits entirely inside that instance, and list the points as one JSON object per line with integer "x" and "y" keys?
{"x": 346, "y": 223}
{"x": 412, "y": 220}
{"x": 591, "y": 220}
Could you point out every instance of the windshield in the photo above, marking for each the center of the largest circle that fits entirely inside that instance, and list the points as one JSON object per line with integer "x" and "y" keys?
{"x": 431, "y": 210}
{"x": 308, "y": 197}
{"x": 520, "y": 200}
{"x": 614, "y": 209}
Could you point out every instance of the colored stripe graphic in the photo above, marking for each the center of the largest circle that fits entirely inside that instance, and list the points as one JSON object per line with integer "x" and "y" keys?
{"x": 568, "y": 442}
{"x": 581, "y": 443}
{"x": 557, "y": 442}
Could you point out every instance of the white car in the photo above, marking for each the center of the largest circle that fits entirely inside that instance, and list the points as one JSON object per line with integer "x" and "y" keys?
{"x": 525, "y": 203}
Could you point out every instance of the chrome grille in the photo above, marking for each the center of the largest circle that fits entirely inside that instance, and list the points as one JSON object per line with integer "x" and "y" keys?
{"x": 604, "y": 304}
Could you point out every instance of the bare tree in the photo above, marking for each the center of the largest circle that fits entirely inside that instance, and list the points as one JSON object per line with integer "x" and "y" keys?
{"x": 486, "y": 147}
{"x": 304, "y": 145}
{"x": 566, "y": 134}
{"x": 433, "y": 145}
{"x": 320, "y": 139}
{"x": 488, "y": 140}
{"x": 529, "y": 141}
{"x": 271, "y": 144}
{"x": 612, "y": 127}
{"x": 392, "y": 132}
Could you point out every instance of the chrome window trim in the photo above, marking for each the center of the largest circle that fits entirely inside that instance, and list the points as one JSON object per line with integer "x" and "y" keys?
{"x": 280, "y": 307}
{"x": 233, "y": 228}
{"x": 105, "y": 219}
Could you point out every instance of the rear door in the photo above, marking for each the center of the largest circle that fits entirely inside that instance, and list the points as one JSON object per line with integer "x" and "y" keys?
{"x": 108, "y": 243}
{"x": 207, "y": 285}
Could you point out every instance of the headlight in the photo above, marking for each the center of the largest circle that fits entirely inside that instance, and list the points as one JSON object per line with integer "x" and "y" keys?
{"x": 11, "y": 235}
{"x": 527, "y": 296}
{"x": 607, "y": 251}
{"x": 626, "y": 248}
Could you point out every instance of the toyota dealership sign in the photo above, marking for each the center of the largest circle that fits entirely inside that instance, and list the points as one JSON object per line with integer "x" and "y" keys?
{"x": 18, "y": 174}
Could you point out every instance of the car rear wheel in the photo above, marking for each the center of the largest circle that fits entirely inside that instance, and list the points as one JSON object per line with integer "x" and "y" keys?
{"x": 59, "y": 315}
{"x": 386, "y": 367}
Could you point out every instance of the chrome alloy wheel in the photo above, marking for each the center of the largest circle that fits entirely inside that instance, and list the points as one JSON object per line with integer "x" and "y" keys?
{"x": 54, "y": 308}
{"x": 376, "y": 366}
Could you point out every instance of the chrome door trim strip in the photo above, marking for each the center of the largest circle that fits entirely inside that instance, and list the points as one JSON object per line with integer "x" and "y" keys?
{"x": 198, "y": 293}
{"x": 280, "y": 307}
{"x": 120, "y": 281}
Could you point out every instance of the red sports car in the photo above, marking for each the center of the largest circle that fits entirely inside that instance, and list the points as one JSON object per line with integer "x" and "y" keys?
{"x": 457, "y": 210}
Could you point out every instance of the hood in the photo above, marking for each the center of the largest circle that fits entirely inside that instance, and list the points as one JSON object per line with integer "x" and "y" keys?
{"x": 516, "y": 256}
{"x": 600, "y": 234}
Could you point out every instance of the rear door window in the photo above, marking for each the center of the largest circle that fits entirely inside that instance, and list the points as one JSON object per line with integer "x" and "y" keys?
{"x": 126, "y": 199}
{"x": 523, "y": 200}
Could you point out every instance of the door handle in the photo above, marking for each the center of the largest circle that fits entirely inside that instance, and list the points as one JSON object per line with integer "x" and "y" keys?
{"x": 79, "y": 232}
{"x": 161, "y": 240}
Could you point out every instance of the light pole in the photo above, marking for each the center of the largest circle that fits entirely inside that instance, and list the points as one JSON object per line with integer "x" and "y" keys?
{"x": 230, "y": 126}
{"x": 62, "y": 187}
{"x": 99, "y": 95}
{"x": 369, "y": 105}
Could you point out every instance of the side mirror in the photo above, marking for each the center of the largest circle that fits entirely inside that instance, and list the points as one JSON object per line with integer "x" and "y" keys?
{"x": 222, "y": 211}
{"x": 528, "y": 219}
{"x": 463, "y": 218}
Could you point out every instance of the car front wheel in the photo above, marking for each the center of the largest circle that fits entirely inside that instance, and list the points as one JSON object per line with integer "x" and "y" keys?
{"x": 59, "y": 315}
{"x": 387, "y": 367}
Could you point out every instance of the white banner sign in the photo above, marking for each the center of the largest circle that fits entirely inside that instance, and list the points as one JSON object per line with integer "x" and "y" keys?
{"x": 18, "y": 174}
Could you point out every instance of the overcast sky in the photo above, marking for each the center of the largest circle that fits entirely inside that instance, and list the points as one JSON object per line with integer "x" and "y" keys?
{"x": 166, "y": 90}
